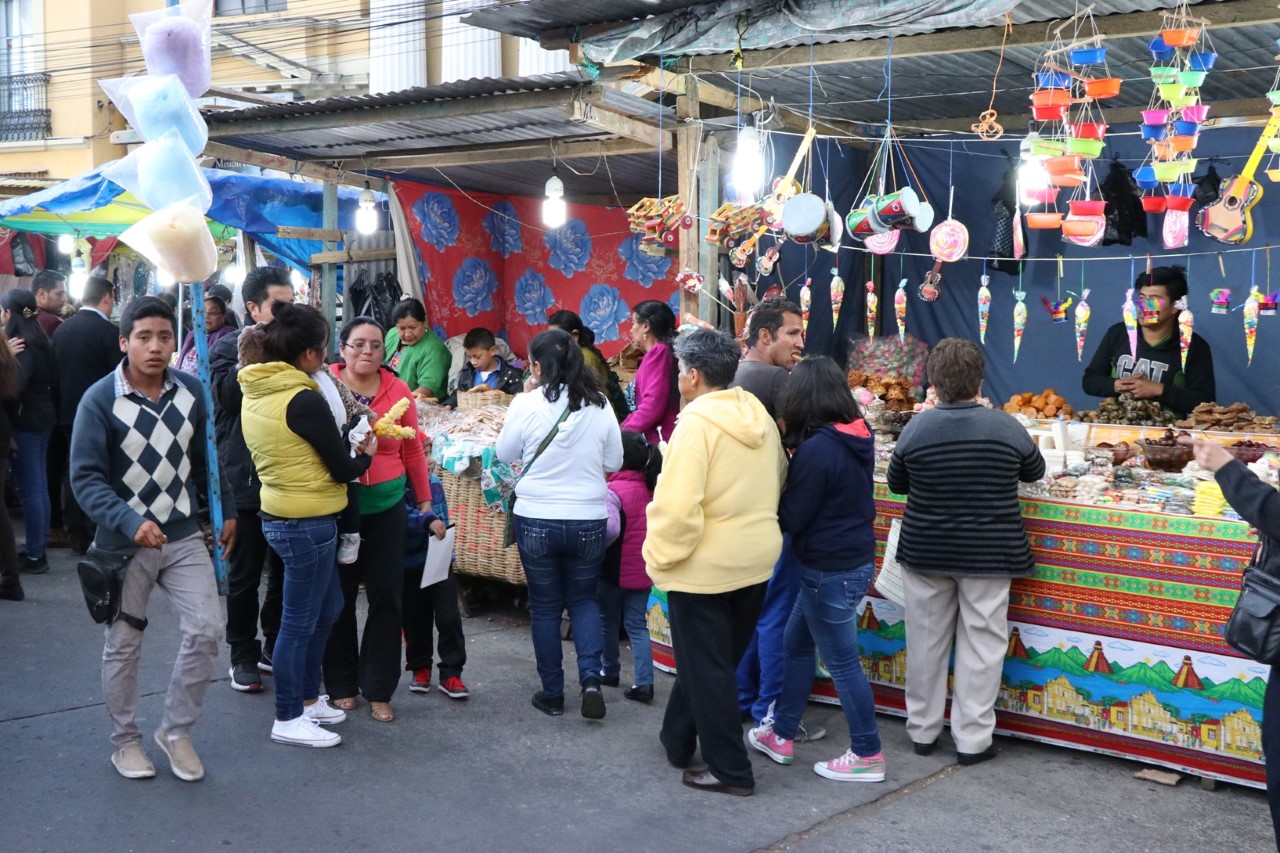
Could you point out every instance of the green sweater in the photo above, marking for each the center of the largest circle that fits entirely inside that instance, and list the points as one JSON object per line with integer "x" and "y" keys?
{"x": 421, "y": 365}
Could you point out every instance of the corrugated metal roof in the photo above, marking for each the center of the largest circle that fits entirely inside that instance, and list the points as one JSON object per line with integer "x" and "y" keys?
{"x": 529, "y": 18}
{"x": 597, "y": 179}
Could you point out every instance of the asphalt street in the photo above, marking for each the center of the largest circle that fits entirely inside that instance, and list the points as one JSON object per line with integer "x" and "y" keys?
{"x": 492, "y": 773}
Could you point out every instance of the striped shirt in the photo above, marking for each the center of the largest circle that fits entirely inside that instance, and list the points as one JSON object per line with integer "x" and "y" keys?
{"x": 959, "y": 466}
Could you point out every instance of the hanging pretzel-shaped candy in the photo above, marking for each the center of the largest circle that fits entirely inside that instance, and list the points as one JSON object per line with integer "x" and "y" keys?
{"x": 987, "y": 127}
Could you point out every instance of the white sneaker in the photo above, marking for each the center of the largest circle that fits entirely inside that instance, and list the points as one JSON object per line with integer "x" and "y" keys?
{"x": 348, "y": 548}
{"x": 301, "y": 731}
{"x": 323, "y": 713}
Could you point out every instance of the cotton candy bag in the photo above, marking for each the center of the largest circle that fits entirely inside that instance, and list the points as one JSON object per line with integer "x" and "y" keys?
{"x": 178, "y": 44}
{"x": 162, "y": 173}
{"x": 176, "y": 239}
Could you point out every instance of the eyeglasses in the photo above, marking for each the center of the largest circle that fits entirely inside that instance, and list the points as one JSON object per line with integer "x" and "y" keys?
{"x": 368, "y": 346}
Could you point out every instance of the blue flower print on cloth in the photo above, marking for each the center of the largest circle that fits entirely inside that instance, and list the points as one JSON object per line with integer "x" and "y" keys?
{"x": 602, "y": 310}
{"x": 504, "y": 229}
{"x": 533, "y": 297}
{"x": 641, "y": 268}
{"x": 674, "y": 302}
{"x": 424, "y": 273}
{"x": 570, "y": 246}
{"x": 439, "y": 220}
{"x": 474, "y": 285}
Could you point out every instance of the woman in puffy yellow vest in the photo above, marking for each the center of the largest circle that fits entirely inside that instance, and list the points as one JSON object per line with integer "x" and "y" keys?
{"x": 304, "y": 464}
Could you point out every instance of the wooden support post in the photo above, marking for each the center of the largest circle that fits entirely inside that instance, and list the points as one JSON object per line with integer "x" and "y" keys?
{"x": 688, "y": 136}
{"x": 329, "y": 271}
{"x": 708, "y": 201}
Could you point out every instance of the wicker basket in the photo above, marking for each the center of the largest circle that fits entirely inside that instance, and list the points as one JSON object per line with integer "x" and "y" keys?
{"x": 476, "y": 399}
{"x": 479, "y": 550}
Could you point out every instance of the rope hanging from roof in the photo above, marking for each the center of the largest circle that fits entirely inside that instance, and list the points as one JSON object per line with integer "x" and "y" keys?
{"x": 987, "y": 127}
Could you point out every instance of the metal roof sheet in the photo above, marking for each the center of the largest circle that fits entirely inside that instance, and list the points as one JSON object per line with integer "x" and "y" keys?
{"x": 597, "y": 178}
{"x": 529, "y": 18}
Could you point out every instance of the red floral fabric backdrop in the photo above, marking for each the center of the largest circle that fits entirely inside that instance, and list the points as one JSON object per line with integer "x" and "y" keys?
{"x": 487, "y": 260}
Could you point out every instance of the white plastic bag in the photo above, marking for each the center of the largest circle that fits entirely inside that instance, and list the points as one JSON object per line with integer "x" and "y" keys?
{"x": 162, "y": 173}
{"x": 156, "y": 105}
{"x": 176, "y": 41}
{"x": 176, "y": 240}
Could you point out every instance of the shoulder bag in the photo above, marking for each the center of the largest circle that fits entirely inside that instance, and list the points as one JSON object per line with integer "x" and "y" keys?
{"x": 509, "y": 533}
{"x": 1253, "y": 628}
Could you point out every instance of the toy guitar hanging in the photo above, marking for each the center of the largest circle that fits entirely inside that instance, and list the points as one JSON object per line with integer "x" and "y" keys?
{"x": 1229, "y": 219}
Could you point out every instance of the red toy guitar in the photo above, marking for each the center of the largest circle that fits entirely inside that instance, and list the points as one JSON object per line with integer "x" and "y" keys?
{"x": 1228, "y": 219}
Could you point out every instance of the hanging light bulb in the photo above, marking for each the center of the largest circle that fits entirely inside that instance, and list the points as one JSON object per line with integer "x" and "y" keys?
{"x": 555, "y": 212}
{"x": 1032, "y": 175}
{"x": 66, "y": 244}
{"x": 297, "y": 279}
{"x": 367, "y": 213}
{"x": 748, "y": 164}
{"x": 233, "y": 274}
{"x": 79, "y": 277}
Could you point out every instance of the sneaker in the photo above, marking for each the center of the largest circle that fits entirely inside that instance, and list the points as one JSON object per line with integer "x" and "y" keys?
{"x": 323, "y": 713}
{"x": 303, "y": 731}
{"x": 808, "y": 735}
{"x": 131, "y": 762}
{"x": 245, "y": 678}
{"x": 421, "y": 681}
{"x": 779, "y": 749}
{"x": 852, "y": 768}
{"x": 639, "y": 693}
{"x": 32, "y": 566}
{"x": 264, "y": 662}
{"x": 183, "y": 760}
{"x": 454, "y": 688}
{"x": 552, "y": 706}
{"x": 348, "y": 548}
{"x": 592, "y": 700}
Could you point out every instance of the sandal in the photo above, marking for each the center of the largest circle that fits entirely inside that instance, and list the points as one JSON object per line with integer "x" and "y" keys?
{"x": 347, "y": 703}
{"x": 381, "y": 711}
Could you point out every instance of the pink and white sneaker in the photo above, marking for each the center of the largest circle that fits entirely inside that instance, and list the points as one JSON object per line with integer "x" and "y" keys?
{"x": 852, "y": 768}
{"x": 779, "y": 749}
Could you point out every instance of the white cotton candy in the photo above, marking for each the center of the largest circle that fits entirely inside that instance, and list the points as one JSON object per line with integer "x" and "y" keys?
{"x": 176, "y": 240}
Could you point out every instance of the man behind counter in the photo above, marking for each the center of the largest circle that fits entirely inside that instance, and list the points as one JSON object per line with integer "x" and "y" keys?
{"x": 1156, "y": 373}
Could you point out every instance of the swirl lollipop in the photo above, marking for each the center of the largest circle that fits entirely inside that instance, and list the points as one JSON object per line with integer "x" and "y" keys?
{"x": 882, "y": 244}
{"x": 949, "y": 241}
{"x": 873, "y": 304}
{"x": 1131, "y": 322}
{"x": 984, "y": 308}
{"x": 900, "y": 310}
{"x": 1019, "y": 323}
{"x": 1082, "y": 323}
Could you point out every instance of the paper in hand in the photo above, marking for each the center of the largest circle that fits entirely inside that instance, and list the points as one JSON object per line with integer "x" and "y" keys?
{"x": 439, "y": 557}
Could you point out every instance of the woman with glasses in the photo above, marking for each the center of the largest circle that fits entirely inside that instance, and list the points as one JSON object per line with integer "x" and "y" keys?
{"x": 215, "y": 326}
{"x": 370, "y": 664}
{"x": 416, "y": 353}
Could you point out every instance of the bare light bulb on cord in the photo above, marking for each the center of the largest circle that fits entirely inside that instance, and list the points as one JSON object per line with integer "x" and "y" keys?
{"x": 66, "y": 244}
{"x": 748, "y": 163}
{"x": 367, "y": 212}
{"x": 555, "y": 212}
{"x": 79, "y": 277}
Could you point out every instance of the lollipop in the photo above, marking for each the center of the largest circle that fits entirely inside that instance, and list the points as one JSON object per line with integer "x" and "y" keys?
{"x": 984, "y": 308}
{"x": 837, "y": 297}
{"x": 1131, "y": 322}
{"x": 900, "y": 310}
{"x": 1082, "y": 323}
{"x": 1186, "y": 328}
{"x": 1251, "y": 323}
{"x": 949, "y": 241}
{"x": 806, "y": 300}
{"x": 1019, "y": 323}
{"x": 1175, "y": 229}
{"x": 873, "y": 303}
{"x": 882, "y": 244}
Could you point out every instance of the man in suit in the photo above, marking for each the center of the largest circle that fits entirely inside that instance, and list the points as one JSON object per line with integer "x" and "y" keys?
{"x": 87, "y": 348}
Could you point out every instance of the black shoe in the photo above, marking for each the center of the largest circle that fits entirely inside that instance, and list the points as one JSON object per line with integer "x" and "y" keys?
{"x": 264, "y": 661}
{"x": 552, "y": 706}
{"x": 12, "y": 592}
{"x": 609, "y": 681}
{"x": 924, "y": 748}
{"x": 639, "y": 693}
{"x": 245, "y": 678}
{"x": 34, "y": 567}
{"x": 705, "y": 780}
{"x": 592, "y": 700}
{"x": 968, "y": 759}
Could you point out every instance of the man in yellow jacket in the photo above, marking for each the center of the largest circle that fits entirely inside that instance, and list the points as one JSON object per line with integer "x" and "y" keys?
{"x": 712, "y": 542}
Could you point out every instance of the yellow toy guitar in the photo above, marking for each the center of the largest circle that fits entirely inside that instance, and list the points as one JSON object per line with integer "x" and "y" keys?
{"x": 1228, "y": 219}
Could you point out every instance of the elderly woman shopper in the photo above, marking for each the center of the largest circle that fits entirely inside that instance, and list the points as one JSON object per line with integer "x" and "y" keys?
{"x": 653, "y": 328}
{"x": 962, "y": 542}
{"x": 415, "y": 353}
{"x": 371, "y": 664}
{"x": 215, "y": 326}
{"x": 568, "y": 439}
{"x": 712, "y": 541}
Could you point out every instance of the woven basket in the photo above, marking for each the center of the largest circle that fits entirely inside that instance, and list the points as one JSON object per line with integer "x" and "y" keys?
{"x": 479, "y": 550}
{"x": 476, "y": 399}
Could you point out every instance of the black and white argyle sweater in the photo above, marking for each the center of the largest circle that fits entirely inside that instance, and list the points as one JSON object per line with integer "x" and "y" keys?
{"x": 134, "y": 459}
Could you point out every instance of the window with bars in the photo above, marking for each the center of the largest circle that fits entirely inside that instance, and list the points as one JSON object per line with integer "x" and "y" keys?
{"x": 24, "y": 103}
{"x": 225, "y": 8}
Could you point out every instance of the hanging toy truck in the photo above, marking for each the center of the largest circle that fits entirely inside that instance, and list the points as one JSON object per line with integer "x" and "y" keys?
{"x": 731, "y": 224}
{"x": 659, "y": 220}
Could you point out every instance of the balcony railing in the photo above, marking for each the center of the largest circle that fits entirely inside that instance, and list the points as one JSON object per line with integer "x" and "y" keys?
{"x": 24, "y": 108}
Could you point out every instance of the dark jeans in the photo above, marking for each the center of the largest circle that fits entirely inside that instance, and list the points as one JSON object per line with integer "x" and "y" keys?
{"x": 626, "y": 607}
{"x": 1271, "y": 749}
{"x": 825, "y": 619}
{"x": 244, "y": 578}
{"x": 437, "y": 603}
{"x": 370, "y": 664}
{"x": 709, "y": 633}
{"x": 312, "y": 602}
{"x": 9, "y": 569}
{"x": 31, "y": 474}
{"x": 80, "y": 528}
{"x": 562, "y": 564}
{"x": 55, "y": 471}
{"x": 760, "y": 673}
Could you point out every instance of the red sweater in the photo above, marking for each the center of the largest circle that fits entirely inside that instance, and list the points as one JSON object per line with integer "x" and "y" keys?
{"x": 395, "y": 457}
{"x": 633, "y": 492}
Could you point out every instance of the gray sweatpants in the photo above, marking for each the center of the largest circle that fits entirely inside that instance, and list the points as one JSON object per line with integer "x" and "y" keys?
{"x": 183, "y": 570}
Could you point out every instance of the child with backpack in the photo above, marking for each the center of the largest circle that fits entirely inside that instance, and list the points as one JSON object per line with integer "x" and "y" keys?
{"x": 624, "y": 584}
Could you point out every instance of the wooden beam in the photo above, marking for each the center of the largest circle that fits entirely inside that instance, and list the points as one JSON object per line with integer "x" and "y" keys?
{"x": 343, "y": 256}
{"x": 690, "y": 135}
{"x": 619, "y": 125}
{"x": 546, "y": 149}
{"x": 282, "y": 164}
{"x": 321, "y": 235}
{"x": 1239, "y": 13}
{"x": 1017, "y": 124}
{"x": 440, "y": 109}
{"x": 708, "y": 201}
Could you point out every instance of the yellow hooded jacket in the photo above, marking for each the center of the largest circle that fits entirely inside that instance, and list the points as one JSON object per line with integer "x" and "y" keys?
{"x": 713, "y": 522}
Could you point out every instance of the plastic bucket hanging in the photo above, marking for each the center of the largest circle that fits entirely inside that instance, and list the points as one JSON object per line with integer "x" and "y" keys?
{"x": 1273, "y": 175}
{"x": 1155, "y": 116}
{"x": 1184, "y": 190}
{"x": 1103, "y": 87}
{"x": 1154, "y": 132}
{"x": 1144, "y": 173}
{"x": 1047, "y": 220}
{"x": 1087, "y": 207}
{"x": 1182, "y": 127}
{"x": 1196, "y": 113}
{"x": 1154, "y": 203}
{"x": 1089, "y": 130}
{"x": 1164, "y": 74}
{"x": 1159, "y": 50}
{"x": 1051, "y": 98}
{"x": 1054, "y": 113}
{"x": 1088, "y": 56}
{"x": 1273, "y": 145}
{"x": 1053, "y": 80}
{"x": 1192, "y": 79}
{"x": 1167, "y": 173}
{"x": 1087, "y": 149}
{"x": 1079, "y": 228}
{"x": 1185, "y": 144}
{"x": 1042, "y": 195}
{"x": 1179, "y": 202}
{"x": 1182, "y": 37}
{"x": 1048, "y": 148}
{"x": 1172, "y": 91}
{"x": 1062, "y": 165}
{"x": 1187, "y": 99}
{"x": 1202, "y": 61}
{"x": 1067, "y": 179}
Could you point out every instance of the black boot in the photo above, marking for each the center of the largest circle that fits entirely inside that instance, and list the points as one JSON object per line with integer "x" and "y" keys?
{"x": 12, "y": 591}
{"x": 639, "y": 693}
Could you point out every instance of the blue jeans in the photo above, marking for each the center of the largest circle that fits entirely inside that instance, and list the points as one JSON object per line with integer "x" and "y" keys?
{"x": 760, "y": 672}
{"x": 562, "y": 564}
{"x": 628, "y": 607}
{"x": 825, "y": 616}
{"x": 31, "y": 474}
{"x": 312, "y": 601}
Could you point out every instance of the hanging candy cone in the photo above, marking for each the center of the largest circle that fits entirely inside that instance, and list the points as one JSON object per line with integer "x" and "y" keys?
{"x": 900, "y": 310}
{"x": 873, "y": 305}
{"x": 837, "y": 297}
{"x": 1186, "y": 328}
{"x": 1251, "y": 323}
{"x": 1019, "y": 323}
{"x": 984, "y": 308}
{"x": 1131, "y": 322}
{"x": 806, "y": 300}
{"x": 1082, "y": 324}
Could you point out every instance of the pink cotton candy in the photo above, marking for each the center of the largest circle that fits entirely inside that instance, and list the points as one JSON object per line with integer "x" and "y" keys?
{"x": 172, "y": 45}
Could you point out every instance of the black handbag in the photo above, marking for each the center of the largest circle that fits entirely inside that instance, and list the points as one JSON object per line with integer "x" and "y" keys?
{"x": 102, "y": 582}
{"x": 1254, "y": 626}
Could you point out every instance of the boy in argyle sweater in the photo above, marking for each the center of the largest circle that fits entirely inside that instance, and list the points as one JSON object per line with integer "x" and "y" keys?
{"x": 137, "y": 459}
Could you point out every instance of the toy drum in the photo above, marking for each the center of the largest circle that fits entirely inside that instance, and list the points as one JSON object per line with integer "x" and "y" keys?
{"x": 895, "y": 208}
{"x": 804, "y": 218}
{"x": 859, "y": 223}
